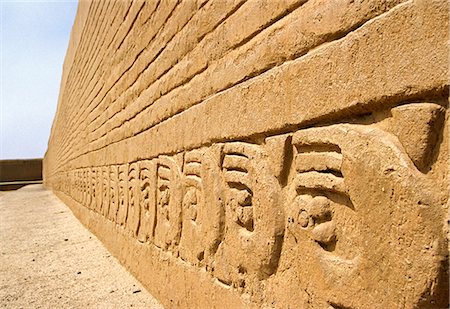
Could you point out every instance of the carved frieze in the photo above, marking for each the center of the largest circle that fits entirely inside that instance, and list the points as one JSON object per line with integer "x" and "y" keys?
{"x": 330, "y": 202}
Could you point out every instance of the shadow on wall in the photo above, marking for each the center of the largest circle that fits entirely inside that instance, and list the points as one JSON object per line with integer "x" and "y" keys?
{"x": 15, "y": 174}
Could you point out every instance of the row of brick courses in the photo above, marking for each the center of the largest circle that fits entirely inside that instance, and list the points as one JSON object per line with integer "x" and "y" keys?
{"x": 268, "y": 154}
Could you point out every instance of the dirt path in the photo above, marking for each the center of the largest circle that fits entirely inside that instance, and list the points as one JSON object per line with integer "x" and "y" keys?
{"x": 49, "y": 260}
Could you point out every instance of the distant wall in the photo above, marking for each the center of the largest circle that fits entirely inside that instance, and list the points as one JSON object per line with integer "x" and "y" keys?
{"x": 17, "y": 173}
{"x": 262, "y": 154}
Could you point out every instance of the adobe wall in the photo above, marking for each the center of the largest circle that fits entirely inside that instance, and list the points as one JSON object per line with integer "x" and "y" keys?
{"x": 262, "y": 154}
{"x": 20, "y": 170}
{"x": 15, "y": 174}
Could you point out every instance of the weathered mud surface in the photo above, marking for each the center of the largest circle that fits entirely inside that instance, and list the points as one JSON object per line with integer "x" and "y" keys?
{"x": 262, "y": 154}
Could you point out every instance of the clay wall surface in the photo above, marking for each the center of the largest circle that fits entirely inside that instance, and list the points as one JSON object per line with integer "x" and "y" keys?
{"x": 15, "y": 174}
{"x": 22, "y": 169}
{"x": 262, "y": 154}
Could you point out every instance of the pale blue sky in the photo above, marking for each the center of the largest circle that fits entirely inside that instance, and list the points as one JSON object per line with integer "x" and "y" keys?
{"x": 34, "y": 37}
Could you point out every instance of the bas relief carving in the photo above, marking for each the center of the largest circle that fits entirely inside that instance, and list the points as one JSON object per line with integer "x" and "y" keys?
{"x": 113, "y": 192}
{"x": 98, "y": 184}
{"x": 147, "y": 202}
{"x": 253, "y": 216}
{"x": 349, "y": 208}
{"x": 134, "y": 192}
{"x": 169, "y": 196}
{"x": 202, "y": 207}
{"x": 105, "y": 202}
{"x": 122, "y": 210}
{"x": 360, "y": 209}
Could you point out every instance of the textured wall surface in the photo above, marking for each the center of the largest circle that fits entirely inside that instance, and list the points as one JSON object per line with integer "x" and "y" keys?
{"x": 260, "y": 153}
{"x": 20, "y": 170}
{"x": 15, "y": 174}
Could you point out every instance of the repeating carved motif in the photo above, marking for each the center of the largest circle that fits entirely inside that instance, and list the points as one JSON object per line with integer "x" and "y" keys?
{"x": 113, "y": 193}
{"x": 81, "y": 185}
{"x": 105, "y": 191}
{"x": 147, "y": 182}
{"x": 133, "y": 191}
{"x": 78, "y": 185}
{"x": 319, "y": 212}
{"x": 233, "y": 209}
{"x": 98, "y": 188}
{"x": 342, "y": 192}
{"x": 86, "y": 188}
{"x": 203, "y": 213}
{"x": 254, "y": 222}
{"x": 169, "y": 196}
{"x": 122, "y": 210}
{"x": 92, "y": 188}
{"x": 316, "y": 192}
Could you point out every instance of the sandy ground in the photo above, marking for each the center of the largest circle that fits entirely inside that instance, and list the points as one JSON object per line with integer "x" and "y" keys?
{"x": 49, "y": 260}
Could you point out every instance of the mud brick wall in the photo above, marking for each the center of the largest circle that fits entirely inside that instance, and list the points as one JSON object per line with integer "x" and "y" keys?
{"x": 262, "y": 154}
{"x": 15, "y": 174}
{"x": 20, "y": 170}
